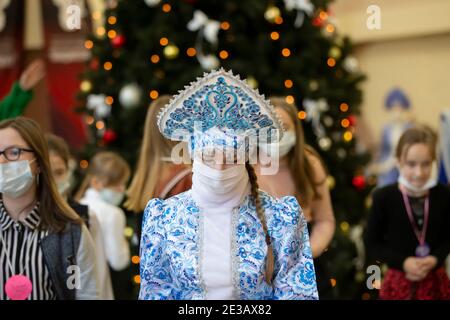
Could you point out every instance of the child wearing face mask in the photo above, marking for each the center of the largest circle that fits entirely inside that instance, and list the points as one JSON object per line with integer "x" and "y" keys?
{"x": 41, "y": 238}
{"x": 409, "y": 223}
{"x": 302, "y": 174}
{"x": 103, "y": 190}
{"x": 156, "y": 176}
{"x": 62, "y": 173}
{"x": 224, "y": 239}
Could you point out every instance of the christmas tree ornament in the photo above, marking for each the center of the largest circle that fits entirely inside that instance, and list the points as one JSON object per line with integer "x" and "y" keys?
{"x": 130, "y": 96}
{"x": 85, "y": 86}
{"x": 351, "y": 64}
{"x": 118, "y": 41}
{"x": 352, "y": 120}
{"x": 302, "y": 7}
{"x": 331, "y": 182}
{"x": 208, "y": 62}
{"x": 317, "y": 22}
{"x": 252, "y": 82}
{"x": 94, "y": 64}
{"x": 152, "y": 3}
{"x": 109, "y": 136}
{"x": 208, "y": 28}
{"x": 313, "y": 85}
{"x": 335, "y": 52}
{"x": 325, "y": 143}
{"x": 314, "y": 110}
{"x": 171, "y": 51}
{"x": 347, "y": 136}
{"x": 97, "y": 104}
{"x": 359, "y": 182}
{"x": 272, "y": 13}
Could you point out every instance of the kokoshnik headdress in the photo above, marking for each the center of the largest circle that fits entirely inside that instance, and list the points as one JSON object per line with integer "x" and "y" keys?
{"x": 219, "y": 110}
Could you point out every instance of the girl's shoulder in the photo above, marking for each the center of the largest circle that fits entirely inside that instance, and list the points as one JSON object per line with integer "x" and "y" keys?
{"x": 317, "y": 165}
{"x": 286, "y": 207}
{"x": 269, "y": 200}
{"x": 177, "y": 200}
{"x": 101, "y": 207}
{"x": 174, "y": 204}
{"x": 442, "y": 191}
{"x": 386, "y": 191}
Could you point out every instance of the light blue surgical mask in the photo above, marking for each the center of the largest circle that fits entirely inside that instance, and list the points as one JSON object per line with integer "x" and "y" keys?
{"x": 16, "y": 178}
{"x": 64, "y": 185}
{"x": 112, "y": 197}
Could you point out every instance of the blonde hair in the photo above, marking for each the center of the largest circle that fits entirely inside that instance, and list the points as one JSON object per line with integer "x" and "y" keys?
{"x": 418, "y": 134}
{"x": 300, "y": 166}
{"x": 108, "y": 167}
{"x": 55, "y": 213}
{"x": 154, "y": 146}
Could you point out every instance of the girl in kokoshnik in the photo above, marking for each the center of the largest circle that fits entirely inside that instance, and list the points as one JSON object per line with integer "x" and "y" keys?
{"x": 302, "y": 174}
{"x": 409, "y": 223}
{"x": 224, "y": 238}
{"x": 46, "y": 251}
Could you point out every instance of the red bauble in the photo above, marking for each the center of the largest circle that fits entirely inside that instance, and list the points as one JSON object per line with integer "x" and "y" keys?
{"x": 352, "y": 120}
{"x": 317, "y": 22}
{"x": 118, "y": 41}
{"x": 109, "y": 136}
{"x": 359, "y": 182}
{"x": 94, "y": 64}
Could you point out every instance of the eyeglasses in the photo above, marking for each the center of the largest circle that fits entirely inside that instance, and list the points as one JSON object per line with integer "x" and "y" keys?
{"x": 13, "y": 153}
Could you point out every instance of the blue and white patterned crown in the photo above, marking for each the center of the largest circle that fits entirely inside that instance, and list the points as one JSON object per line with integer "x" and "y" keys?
{"x": 219, "y": 100}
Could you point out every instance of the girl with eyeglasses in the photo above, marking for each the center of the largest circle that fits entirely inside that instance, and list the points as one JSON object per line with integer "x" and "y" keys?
{"x": 46, "y": 251}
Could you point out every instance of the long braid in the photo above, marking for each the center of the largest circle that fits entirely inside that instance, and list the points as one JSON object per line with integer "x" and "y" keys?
{"x": 260, "y": 213}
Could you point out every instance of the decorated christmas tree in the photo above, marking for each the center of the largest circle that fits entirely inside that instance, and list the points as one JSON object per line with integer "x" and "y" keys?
{"x": 290, "y": 48}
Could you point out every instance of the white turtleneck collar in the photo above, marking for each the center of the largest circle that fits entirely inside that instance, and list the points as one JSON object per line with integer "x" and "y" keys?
{"x": 225, "y": 188}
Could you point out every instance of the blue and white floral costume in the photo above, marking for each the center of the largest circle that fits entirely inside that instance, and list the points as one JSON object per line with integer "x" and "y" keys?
{"x": 171, "y": 250}
{"x": 222, "y": 111}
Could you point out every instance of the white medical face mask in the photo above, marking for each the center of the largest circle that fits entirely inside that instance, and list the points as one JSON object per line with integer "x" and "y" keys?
{"x": 428, "y": 185}
{"x": 112, "y": 197}
{"x": 16, "y": 178}
{"x": 64, "y": 185}
{"x": 219, "y": 181}
{"x": 287, "y": 142}
{"x": 285, "y": 145}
